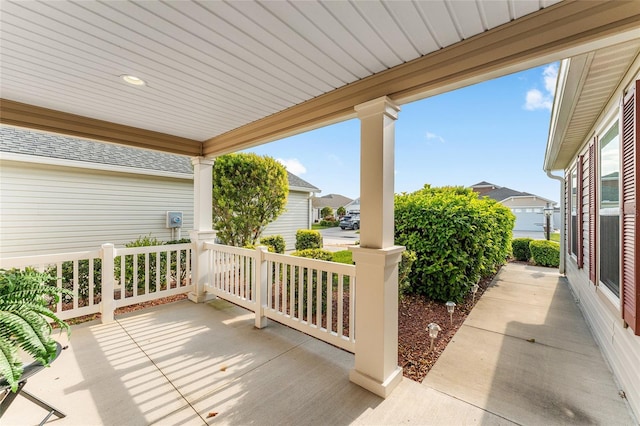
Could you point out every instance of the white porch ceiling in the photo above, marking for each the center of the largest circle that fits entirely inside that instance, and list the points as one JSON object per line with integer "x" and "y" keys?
{"x": 212, "y": 67}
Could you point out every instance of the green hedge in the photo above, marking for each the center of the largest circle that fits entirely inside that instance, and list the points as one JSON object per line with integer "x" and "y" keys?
{"x": 314, "y": 253}
{"x": 545, "y": 253}
{"x": 329, "y": 223}
{"x": 457, "y": 238}
{"x": 520, "y": 249}
{"x": 404, "y": 272}
{"x": 274, "y": 241}
{"x": 308, "y": 239}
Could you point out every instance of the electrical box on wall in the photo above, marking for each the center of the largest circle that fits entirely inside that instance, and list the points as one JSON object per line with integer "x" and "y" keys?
{"x": 174, "y": 219}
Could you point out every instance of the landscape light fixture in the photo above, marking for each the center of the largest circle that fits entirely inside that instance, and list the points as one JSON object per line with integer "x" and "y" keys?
{"x": 451, "y": 306}
{"x": 474, "y": 290}
{"x": 433, "y": 330}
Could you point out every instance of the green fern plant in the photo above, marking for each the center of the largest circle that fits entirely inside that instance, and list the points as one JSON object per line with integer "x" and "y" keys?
{"x": 25, "y": 298}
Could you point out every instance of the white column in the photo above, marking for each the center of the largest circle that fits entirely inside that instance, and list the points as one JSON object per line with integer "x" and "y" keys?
{"x": 202, "y": 225}
{"x": 377, "y": 258}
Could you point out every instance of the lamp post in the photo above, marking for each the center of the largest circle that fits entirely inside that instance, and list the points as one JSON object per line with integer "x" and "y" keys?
{"x": 451, "y": 306}
{"x": 474, "y": 290}
{"x": 548, "y": 212}
{"x": 433, "y": 330}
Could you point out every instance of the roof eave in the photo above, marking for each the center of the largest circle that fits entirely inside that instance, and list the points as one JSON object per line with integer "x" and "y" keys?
{"x": 571, "y": 77}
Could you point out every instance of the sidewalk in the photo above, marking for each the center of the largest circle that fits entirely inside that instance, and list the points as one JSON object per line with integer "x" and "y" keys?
{"x": 525, "y": 354}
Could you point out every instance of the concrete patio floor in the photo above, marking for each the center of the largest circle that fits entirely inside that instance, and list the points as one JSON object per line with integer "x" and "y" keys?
{"x": 177, "y": 364}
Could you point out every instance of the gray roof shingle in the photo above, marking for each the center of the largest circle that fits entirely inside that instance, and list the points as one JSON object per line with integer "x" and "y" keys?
{"x": 20, "y": 141}
{"x": 28, "y": 142}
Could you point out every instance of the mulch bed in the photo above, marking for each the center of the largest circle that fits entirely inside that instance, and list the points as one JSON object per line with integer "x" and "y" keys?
{"x": 414, "y": 314}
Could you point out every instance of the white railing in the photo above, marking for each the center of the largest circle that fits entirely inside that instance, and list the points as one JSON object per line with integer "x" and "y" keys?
{"x": 313, "y": 296}
{"x": 103, "y": 280}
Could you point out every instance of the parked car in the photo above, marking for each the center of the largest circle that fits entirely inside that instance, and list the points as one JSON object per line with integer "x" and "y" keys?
{"x": 350, "y": 222}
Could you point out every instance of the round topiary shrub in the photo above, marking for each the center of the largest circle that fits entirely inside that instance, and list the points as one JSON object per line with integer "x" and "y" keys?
{"x": 274, "y": 241}
{"x": 545, "y": 253}
{"x": 308, "y": 239}
{"x": 520, "y": 249}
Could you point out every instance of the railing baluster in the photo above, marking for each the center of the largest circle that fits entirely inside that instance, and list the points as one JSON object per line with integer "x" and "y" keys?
{"x": 340, "y": 300}
{"x": 329, "y": 300}
{"x": 135, "y": 275}
{"x": 91, "y": 283}
{"x": 146, "y": 273}
{"x": 76, "y": 287}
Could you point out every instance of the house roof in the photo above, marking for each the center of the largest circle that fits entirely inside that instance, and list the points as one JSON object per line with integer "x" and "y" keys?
{"x": 27, "y": 142}
{"x": 297, "y": 183}
{"x": 331, "y": 200}
{"x": 501, "y": 193}
{"x": 225, "y": 76}
{"x": 585, "y": 88}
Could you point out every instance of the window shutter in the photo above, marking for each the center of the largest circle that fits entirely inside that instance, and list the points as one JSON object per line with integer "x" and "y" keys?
{"x": 629, "y": 177}
{"x": 593, "y": 179}
{"x": 579, "y": 218}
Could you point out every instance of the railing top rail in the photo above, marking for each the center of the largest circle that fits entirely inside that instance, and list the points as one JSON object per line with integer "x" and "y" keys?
{"x": 153, "y": 249}
{"x": 22, "y": 261}
{"x": 339, "y": 268}
{"x": 229, "y": 249}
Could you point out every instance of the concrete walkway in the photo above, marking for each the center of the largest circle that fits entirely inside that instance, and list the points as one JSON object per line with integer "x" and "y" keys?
{"x": 525, "y": 354}
{"x": 188, "y": 364}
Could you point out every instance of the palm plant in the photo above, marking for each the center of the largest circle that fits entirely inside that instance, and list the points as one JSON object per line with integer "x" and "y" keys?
{"x": 25, "y": 297}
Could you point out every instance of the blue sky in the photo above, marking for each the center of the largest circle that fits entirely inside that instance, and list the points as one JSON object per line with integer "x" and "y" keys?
{"x": 494, "y": 131}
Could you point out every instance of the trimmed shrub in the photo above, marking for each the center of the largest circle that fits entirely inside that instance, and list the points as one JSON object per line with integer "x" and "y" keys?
{"x": 329, "y": 223}
{"x": 308, "y": 239}
{"x": 315, "y": 253}
{"x": 545, "y": 253}
{"x": 274, "y": 241}
{"x": 404, "y": 271}
{"x": 457, "y": 237}
{"x": 326, "y": 211}
{"x": 520, "y": 249}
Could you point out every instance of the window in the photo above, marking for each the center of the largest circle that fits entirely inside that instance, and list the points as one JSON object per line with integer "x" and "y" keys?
{"x": 609, "y": 209}
{"x": 529, "y": 210}
{"x": 537, "y": 210}
{"x": 573, "y": 205}
{"x": 517, "y": 210}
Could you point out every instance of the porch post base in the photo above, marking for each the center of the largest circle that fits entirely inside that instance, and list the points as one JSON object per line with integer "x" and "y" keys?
{"x": 383, "y": 389}
{"x": 199, "y": 298}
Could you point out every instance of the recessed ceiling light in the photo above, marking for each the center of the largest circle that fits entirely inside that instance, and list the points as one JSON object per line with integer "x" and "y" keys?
{"x": 133, "y": 80}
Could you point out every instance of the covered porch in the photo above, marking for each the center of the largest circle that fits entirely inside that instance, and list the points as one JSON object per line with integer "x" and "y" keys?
{"x": 189, "y": 364}
{"x": 211, "y": 91}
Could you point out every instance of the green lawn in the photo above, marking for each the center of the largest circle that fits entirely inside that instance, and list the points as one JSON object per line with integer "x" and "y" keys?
{"x": 318, "y": 226}
{"x": 555, "y": 236}
{"x": 343, "y": 256}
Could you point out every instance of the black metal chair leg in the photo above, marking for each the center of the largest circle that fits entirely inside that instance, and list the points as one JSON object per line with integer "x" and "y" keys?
{"x": 41, "y": 403}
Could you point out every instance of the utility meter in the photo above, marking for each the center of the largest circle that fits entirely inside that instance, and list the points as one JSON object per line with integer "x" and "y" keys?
{"x": 174, "y": 219}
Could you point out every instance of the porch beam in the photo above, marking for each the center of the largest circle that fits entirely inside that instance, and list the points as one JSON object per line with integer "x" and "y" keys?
{"x": 565, "y": 29}
{"x": 33, "y": 117}
{"x": 376, "y": 321}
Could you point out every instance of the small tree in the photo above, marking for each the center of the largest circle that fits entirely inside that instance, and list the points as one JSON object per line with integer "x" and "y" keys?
{"x": 326, "y": 211}
{"x": 341, "y": 211}
{"x": 249, "y": 192}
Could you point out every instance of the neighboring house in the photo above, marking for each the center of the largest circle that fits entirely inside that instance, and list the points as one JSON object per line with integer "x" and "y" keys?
{"x": 593, "y": 141}
{"x": 59, "y": 193}
{"x": 354, "y": 206}
{"x": 528, "y": 208}
{"x": 334, "y": 201}
{"x": 297, "y": 214}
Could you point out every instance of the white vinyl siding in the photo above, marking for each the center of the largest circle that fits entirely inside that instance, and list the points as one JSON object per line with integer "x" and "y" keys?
{"x": 48, "y": 209}
{"x": 295, "y": 217}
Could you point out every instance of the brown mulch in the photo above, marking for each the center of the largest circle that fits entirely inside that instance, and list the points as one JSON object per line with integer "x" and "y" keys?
{"x": 414, "y": 314}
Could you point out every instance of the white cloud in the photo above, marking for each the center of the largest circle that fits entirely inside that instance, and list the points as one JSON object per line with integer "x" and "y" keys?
{"x": 550, "y": 75}
{"x": 431, "y": 136}
{"x": 536, "y": 99}
{"x": 293, "y": 165}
